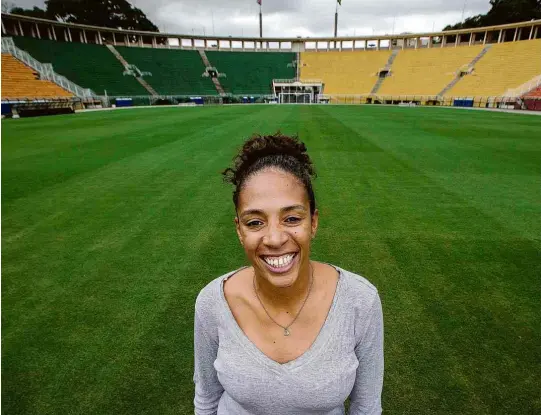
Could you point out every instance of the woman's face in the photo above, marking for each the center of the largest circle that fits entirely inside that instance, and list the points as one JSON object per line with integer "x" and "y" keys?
{"x": 275, "y": 226}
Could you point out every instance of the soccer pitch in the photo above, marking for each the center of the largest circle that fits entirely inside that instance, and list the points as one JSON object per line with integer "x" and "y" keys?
{"x": 113, "y": 221}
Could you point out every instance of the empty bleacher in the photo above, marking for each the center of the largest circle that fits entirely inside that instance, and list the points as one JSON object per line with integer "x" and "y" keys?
{"x": 534, "y": 93}
{"x": 252, "y": 72}
{"x": 20, "y": 81}
{"x": 505, "y": 66}
{"x": 426, "y": 71}
{"x": 89, "y": 66}
{"x": 346, "y": 72}
{"x": 504, "y": 69}
{"x": 174, "y": 72}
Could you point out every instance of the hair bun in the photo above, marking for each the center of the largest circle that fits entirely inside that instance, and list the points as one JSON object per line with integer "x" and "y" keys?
{"x": 259, "y": 146}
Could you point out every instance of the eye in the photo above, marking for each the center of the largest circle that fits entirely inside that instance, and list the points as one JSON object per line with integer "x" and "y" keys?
{"x": 293, "y": 219}
{"x": 254, "y": 223}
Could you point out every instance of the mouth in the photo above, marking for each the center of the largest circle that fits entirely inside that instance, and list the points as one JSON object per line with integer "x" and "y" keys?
{"x": 280, "y": 264}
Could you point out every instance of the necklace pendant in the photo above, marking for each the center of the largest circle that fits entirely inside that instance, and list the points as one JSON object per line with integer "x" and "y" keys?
{"x": 286, "y": 332}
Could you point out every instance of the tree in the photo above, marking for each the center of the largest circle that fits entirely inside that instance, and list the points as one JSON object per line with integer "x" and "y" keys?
{"x": 502, "y": 12}
{"x": 35, "y": 12}
{"x": 117, "y": 14}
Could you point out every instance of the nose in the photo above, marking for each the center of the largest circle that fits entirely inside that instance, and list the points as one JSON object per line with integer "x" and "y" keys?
{"x": 275, "y": 236}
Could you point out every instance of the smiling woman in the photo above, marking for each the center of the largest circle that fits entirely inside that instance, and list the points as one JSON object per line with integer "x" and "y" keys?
{"x": 286, "y": 334}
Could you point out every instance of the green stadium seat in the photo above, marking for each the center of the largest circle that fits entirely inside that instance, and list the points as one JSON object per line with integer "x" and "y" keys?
{"x": 174, "y": 72}
{"x": 89, "y": 66}
{"x": 252, "y": 72}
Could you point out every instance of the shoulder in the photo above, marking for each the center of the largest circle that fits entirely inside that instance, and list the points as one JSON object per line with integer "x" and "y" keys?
{"x": 361, "y": 301}
{"x": 359, "y": 292}
{"x": 210, "y": 297}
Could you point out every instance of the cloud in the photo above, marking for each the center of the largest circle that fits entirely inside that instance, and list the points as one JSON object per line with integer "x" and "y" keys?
{"x": 291, "y": 18}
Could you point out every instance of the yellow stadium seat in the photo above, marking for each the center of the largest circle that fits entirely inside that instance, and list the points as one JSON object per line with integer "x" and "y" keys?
{"x": 21, "y": 81}
{"x": 505, "y": 66}
{"x": 346, "y": 72}
{"x": 426, "y": 71}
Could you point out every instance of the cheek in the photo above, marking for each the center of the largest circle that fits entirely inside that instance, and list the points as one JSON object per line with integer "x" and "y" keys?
{"x": 250, "y": 243}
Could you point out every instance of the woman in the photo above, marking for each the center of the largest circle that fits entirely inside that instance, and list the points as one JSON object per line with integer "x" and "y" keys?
{"x": 286, "y": 335}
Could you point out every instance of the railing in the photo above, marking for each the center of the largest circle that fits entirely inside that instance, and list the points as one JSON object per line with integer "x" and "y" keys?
{"x": 45, "y": 70}
{"x": 300, "y": 81}
{"x": 524, "y": 88}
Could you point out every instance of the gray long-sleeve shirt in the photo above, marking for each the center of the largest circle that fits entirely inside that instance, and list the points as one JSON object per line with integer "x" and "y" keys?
{"x": 232, "y": 376}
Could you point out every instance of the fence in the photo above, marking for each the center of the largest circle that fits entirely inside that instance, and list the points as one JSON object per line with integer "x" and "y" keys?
{"x": 530, "y": 103}
{"x": 504, "y": 102}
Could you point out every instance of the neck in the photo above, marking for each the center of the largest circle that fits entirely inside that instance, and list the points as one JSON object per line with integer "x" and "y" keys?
{"x": 285, "y": 298}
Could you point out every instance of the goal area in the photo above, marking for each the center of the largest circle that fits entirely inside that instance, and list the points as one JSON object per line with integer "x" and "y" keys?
{"x": 295, "y": 98}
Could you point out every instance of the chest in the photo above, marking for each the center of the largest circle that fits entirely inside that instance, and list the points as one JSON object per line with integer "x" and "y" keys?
{"x": 319, "y": 380}
{"x": 269, "y": 337}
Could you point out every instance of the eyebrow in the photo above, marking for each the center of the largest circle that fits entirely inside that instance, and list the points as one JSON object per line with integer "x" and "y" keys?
{"x": 283, "y": 210}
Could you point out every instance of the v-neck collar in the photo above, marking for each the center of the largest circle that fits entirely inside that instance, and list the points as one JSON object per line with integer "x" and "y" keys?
{"x": 321, "y": 340}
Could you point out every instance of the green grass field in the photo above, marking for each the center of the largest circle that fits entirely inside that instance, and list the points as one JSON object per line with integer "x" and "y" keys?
{"x": 113, "y": 221}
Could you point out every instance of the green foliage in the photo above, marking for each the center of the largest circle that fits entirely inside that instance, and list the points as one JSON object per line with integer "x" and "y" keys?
{"x": 34, "y": 12}
{"x": 502, "y": 12}
{"x": 117, "y": 14}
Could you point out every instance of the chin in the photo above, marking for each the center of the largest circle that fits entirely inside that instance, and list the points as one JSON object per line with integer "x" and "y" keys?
{"x": 282, "y": 281}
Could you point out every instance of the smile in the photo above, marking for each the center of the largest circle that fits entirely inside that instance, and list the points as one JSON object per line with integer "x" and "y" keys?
{"x": 279, "y": 264}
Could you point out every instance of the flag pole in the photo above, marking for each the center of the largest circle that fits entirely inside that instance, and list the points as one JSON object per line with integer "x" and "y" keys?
{"x": 260, "y": 21}
{"x": 336, "y": 20}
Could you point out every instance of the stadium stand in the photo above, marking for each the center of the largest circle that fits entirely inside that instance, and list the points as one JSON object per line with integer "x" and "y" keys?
{"x": 532, "y": 99}
{"x": 426, "y": 71}
{"x": 505, "y": 66}
{"x": 21, "y": 81}
{"x": 346, "y": 72}
{"x": 90, "y": 66}
{"x": 174, "y": 72}
{"x": 500, "y": 69}
{"x": 252, "y": 72}
{"x": 534, "y": 93}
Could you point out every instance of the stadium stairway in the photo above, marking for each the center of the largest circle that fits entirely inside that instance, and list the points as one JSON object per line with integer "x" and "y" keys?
{"x": 464, "y": 70}
{"x": 387, "y": 69}
{"x": 344, "y": 72}
{"x": 208, "y": 67}
{"x": 252, "y": 72}
{"x": 126, "y": 65}
{"x": 174, "y": 72}
{"x": 88, "y": 65}
{"x": 21, "y": 81}
{"x": 426, "y": 71}
{"x": 505, "y": 66}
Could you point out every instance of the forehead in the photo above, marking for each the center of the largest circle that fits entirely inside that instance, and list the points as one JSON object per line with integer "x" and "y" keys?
{"x": 271, "y": 189}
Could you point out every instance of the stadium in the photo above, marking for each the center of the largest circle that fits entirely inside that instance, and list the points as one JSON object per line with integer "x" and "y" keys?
{"x": 428, "y": 153}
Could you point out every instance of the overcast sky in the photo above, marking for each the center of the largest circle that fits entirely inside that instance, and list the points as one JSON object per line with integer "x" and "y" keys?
{"x": 290, "y": 18}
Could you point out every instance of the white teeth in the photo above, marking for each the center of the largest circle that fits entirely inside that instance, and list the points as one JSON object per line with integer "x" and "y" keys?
{"x": 279, "y": 262}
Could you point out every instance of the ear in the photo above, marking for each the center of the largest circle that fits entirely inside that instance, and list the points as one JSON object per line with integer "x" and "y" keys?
{"x": 237, "y": 228}
{"x": 315, "y": 223}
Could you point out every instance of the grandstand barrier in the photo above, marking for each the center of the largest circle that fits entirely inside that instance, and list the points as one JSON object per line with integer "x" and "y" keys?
{"x": 123, "y": 102}
{"x": 532, "y": 103}
{"x": 34, "y": 107}
{"x": 467, "y": 103}
{"x": 496, "y": 102}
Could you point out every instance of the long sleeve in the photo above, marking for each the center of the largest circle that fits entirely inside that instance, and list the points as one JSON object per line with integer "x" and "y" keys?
{"x": 208, "y": 389}
{"x": 366, "y": 394}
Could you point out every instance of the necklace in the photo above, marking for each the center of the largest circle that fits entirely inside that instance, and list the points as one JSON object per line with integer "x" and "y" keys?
{"x": 286, "y": 328}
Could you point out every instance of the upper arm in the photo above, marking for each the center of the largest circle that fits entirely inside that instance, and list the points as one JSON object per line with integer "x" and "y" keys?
{"x": 366, "y": 394}
{"x": 208, "y": 389}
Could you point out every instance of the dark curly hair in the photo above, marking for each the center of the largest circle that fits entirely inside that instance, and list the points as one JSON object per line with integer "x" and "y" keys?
{"x": 272, "y": 151}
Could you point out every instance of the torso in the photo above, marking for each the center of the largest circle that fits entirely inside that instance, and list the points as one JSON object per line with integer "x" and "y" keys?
{"x": 266, "y": 335}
